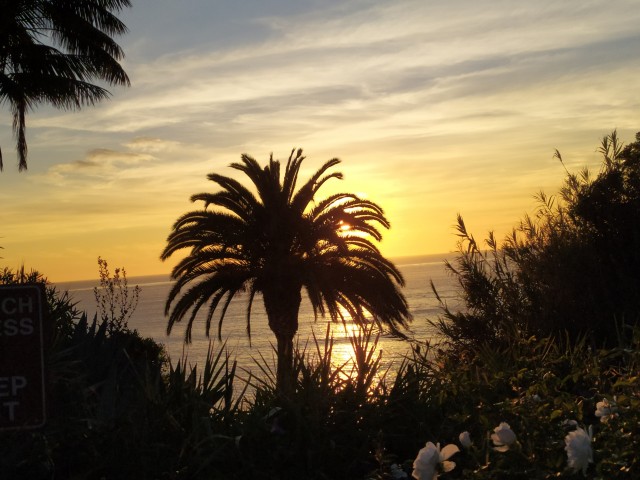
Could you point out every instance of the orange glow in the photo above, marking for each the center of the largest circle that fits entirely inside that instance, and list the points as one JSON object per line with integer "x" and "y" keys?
{"x": 344, "y": 226}
{"x": 474, "y": 137}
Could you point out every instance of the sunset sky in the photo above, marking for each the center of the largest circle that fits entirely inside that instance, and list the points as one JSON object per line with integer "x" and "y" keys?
{"x": 434, "y": 107}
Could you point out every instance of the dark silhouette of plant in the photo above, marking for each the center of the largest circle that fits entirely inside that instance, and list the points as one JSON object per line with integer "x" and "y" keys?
{"x": 53, "y": 51}
{"x": 574, "y": 267}
{"x": 117, "y": 408}
{"x": 116, "y": 303}
{"x": 62, "y": 311}
{"x": 275, "y": 244}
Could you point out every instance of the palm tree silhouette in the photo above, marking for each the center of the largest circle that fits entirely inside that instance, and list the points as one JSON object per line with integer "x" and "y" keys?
{"x": 274, "y": 244}
{"x": 51, "y": 51}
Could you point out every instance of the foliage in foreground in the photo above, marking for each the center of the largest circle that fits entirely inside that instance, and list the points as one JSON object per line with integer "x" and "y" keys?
{"x": 543, "y": 389}
{"x": 123, "y": 411}
{"x": 574, "y": 267}
{"x": 117, "y": 407}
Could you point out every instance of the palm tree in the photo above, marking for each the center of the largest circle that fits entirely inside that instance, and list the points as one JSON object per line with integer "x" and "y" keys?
{"x": 51, "y": 51}
{"x": 274, "y": 244}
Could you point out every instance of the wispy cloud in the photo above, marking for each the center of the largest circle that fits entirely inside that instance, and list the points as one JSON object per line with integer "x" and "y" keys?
{"x": 153, "y": 145}
{"x": 99, "y": 163}
{"x": 436, "y": 107}
{"x": 369, "y": 60}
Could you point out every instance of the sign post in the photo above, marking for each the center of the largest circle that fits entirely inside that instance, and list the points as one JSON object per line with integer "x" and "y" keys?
{"x": 22, "y": 373}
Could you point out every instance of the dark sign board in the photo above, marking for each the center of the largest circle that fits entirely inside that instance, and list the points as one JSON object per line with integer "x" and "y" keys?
{"x": 22, "y": 375}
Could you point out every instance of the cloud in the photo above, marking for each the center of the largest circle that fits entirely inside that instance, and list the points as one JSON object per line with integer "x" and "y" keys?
{"x": 151, "y": 144}
{"x": 101, "y": 164}
{"x": 368, "y": 68}
{"x": 366, "y": 60}
{"x": 435, "y": 107}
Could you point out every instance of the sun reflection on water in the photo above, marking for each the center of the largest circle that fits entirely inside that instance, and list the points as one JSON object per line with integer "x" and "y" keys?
{"x": 351, "y": 340}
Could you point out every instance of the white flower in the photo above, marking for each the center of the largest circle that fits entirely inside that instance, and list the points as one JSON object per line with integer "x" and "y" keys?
{"x": 605, "y": 410}
{"x": 465, "y": 439}
{"x": 578, "y": 447}
{"x": 570, "y": 424}
{"x": 503, "y": 437}
{"x": 396, "y": 472}
{"x": 426, "y": 463}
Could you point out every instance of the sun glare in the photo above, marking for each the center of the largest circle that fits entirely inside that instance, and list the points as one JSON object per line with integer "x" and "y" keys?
{"x": 349, "y": 336}
{"x": 344, "y": 226}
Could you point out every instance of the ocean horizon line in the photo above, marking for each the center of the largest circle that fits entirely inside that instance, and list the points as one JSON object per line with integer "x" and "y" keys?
{"x": 400, "y": 261}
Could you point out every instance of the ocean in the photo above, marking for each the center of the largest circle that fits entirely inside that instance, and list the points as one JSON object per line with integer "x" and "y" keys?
{"x": 149, "y": 319}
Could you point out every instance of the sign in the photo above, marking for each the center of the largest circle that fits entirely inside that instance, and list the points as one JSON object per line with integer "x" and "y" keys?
{"x": 22, "y": 375}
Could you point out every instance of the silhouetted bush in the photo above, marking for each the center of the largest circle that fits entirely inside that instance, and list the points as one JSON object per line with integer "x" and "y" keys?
{"x": 573, "y": 267}
{"x": 118, "y": 408}
{"x": 121, "y": 410}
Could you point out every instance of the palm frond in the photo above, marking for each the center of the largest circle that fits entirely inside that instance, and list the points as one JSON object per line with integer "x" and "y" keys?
{"x": 53, "y": 52}
{"x": 270, "y": 244}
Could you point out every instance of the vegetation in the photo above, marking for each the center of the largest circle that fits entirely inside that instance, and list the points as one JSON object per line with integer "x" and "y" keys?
{"x": 117, "y": 408}
{"x": 277, "y": 243}
{"x": 116, "y": 303}
{"x": 574, "y": 267}
{"x": 505, "y": 405}
{"x": 54, "y": 51}
{"x": 121, "y": 410}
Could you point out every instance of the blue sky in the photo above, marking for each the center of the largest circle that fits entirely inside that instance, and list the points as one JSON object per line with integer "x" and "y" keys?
{"x": 436, "y": 108}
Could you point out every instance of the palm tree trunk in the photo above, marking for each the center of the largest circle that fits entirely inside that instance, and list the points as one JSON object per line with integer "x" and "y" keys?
{"x": 284, "y": 375}
{"x": 282, "y": 306}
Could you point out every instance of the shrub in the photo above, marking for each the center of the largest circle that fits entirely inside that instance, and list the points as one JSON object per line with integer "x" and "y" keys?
{"x": 116, "y": 303}
{"x": 574, "y": 267}
{"x": 117, "y": 408}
